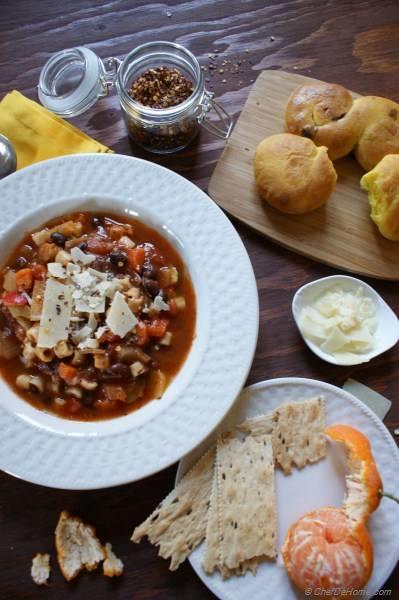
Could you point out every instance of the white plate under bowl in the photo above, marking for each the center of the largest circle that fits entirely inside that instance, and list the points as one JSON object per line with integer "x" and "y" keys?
{"x": 317, "y": 485}
{"x": 45, "y": 449}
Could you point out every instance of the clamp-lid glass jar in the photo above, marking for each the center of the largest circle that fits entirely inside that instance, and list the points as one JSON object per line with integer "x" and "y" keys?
{"x": 72, "y": 81}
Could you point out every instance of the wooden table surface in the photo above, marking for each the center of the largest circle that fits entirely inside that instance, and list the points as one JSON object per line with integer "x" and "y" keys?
{"x": 355, "y": 43}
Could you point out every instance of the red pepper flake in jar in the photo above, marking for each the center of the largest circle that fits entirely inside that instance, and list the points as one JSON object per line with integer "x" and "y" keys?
{"x": 161, "y": 87}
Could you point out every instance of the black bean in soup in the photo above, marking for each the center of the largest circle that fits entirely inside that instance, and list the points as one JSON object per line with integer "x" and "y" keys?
{"x": 21, "y": 262}
{"x": 151, "y": 287}
{"x": 58, "y": 238}
{"x": 149, "y": 271}
{"x": 118, "y": 259}
{"x": 88, "y": 399}
{"x": 116, "y": 371}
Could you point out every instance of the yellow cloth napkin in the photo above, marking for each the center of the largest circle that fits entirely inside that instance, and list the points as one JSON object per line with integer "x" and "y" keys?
{"x": 38, "y": 134}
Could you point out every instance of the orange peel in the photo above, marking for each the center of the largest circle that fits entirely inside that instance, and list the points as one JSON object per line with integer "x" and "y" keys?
{"x": 363, "y": 481}
{"x": 326, "y": 550}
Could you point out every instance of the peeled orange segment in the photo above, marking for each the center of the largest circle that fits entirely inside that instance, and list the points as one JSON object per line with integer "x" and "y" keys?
{"x": 326, "y": 550}
{"x": 363, "y": 481}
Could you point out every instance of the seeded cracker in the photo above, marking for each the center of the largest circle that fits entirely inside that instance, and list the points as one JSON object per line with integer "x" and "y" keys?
{"x": 211, "y": 558}
{"x": 298, "y": 432}
{"x": 258, "y": 426}
{"x": 243, "y": 507}
{"x": 178, "y": 524}
{"x": 298, "y": 435}
{"x": 247, "y": 500}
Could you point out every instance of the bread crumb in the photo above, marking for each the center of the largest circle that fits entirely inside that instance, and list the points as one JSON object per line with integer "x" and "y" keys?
{"x": 112, "y": 565}
{"x": 77, "y": 546}
{"x": 40, "y": 570}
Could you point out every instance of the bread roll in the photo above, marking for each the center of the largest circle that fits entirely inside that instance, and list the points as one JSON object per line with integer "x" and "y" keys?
{"x": 293, "y": 174}
{"x": 382, "y": 185}
{"x": 380, "y": 135}
{"x": 327, "y": 114}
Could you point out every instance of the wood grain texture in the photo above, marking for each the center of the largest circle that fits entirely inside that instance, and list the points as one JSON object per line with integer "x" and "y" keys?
{"x": 340, "y": 233}
{"x": 329, "y": 41}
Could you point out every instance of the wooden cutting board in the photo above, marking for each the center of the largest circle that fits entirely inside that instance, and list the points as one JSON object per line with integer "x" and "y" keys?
{"x": 340, "y": 233}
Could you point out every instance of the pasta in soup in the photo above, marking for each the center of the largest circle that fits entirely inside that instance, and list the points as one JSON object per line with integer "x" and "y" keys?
{"x": 97, "y": 315}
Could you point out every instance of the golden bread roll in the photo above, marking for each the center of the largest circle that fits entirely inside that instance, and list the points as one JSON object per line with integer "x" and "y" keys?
{"x": 293, "y": 174}
{"x": 380, "y": 135}
{"x": 327, "y": 114}
{"x": 382, "y": 185}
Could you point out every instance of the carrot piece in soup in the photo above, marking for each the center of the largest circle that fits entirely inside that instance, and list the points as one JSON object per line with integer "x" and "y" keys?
{"x": 24, "y": 279}
{"x": 136, "y": 257}
{"x": 141, "y": 333}
{"x": 99, "y": 246}
{"x": 157, "y": 327}
{"x": 39, "y": 272}
{"x": 67, "y": 372}
{"x": 47, "y": 251}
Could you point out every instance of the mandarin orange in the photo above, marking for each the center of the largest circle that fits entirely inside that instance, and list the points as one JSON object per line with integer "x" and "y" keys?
{"x": 325, "y": 550}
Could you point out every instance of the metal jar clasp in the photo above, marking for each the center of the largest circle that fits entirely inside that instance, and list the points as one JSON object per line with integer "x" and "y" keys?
{"x": 110, "y": 69}
{"x": 222, "y": 130}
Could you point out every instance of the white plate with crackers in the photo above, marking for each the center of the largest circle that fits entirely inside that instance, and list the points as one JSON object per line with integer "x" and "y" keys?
{"x": 317, "y": 484}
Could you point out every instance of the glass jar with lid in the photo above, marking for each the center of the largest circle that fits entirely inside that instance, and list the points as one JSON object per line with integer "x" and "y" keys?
{"x": 73, "y": 80}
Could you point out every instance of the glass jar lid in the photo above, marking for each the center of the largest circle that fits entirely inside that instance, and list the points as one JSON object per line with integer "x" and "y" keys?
{"x": 72, "y": 80}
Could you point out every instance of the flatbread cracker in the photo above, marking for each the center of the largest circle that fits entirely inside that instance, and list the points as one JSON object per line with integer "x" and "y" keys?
{"x": 241, "y": 528}
{"x": 245, "y": 471}
{"x": 298, "y": 432}
{"x": 178, "y": 524}
{"x": 298, "y": 435}
{"x": 211, "y": 558}
{"x": 258, "y": 426}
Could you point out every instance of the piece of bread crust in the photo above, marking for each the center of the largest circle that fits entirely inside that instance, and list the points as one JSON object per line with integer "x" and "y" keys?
{"x": 77, "y": 546}
{"x": 40, "y": 570}
{"x": 112, "y": 565}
